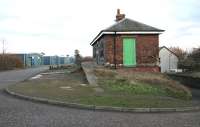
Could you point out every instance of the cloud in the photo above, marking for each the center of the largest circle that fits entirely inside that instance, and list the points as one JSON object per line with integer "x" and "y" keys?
{"x": 187, "y": 10}
{"x": 60, "y": 26}
{"x": 6, "y": 17}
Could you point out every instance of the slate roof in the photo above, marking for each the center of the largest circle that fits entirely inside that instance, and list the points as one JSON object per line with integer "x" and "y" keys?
{"x": 126, "y": 25}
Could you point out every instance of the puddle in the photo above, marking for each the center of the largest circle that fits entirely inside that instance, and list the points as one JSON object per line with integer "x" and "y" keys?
{"x": 36, "y": 77}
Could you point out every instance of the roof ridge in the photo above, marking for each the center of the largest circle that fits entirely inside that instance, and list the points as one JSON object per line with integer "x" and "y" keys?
{"x": 115, "y": 24}
{"x": 131, "y": 21}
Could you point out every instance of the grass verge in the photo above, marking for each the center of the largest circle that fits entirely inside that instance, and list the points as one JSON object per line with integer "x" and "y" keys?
{"x": 118, "y": 91}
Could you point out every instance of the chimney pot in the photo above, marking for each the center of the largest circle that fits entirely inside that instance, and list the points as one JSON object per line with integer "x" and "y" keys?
{"x": 119, "y": 16}
{"x": 118, "y": 11}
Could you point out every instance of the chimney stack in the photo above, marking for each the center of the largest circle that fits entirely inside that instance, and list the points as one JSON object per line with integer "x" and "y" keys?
{"x": 119, "y": 16}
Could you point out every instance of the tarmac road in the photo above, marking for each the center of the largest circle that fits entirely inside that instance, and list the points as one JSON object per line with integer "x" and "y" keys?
{"x": 14, "y": 76}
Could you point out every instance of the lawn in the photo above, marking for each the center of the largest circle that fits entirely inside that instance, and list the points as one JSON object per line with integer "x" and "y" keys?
{"x": 119, "y": 90}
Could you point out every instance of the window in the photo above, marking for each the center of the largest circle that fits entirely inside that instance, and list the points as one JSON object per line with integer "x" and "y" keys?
{"x": 94, "y": 52}
{"x": 101, "y": 54}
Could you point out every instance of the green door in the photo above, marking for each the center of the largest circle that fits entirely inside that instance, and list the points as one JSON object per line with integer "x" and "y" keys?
{"x": 129, "y": 52}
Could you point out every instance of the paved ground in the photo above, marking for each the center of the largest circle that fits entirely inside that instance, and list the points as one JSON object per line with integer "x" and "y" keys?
{"x": 14, "y": 76}
{"x": 20, "y": 113}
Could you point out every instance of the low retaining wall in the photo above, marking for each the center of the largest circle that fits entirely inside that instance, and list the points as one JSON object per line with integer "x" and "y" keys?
{"x": 193, "y": 82}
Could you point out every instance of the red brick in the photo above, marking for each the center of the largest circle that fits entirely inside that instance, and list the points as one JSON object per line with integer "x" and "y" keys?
{"x": 147, "y": 50}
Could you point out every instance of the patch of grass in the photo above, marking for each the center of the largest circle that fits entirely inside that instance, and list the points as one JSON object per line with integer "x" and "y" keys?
{"x": 135, "y": 89}
{"x": 119, "y": 91}
{"x": 51, "y": 89}
{"x": 105, "y": 73}
{"x": 134, "y": 101}
{"x": 142, "y": 83}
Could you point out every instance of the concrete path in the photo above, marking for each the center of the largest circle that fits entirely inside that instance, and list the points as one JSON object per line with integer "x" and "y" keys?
{"x": 88, "y": 69}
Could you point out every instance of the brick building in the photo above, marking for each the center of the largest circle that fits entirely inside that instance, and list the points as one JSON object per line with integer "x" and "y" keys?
{"x": 128, "y": 43}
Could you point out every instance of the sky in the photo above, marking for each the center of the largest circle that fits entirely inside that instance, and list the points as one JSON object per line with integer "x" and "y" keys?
{"x": 58, "y": 27}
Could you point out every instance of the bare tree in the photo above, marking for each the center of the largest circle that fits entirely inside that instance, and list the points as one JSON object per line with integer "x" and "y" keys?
{"x": 179, "y": 52}
{"x": 77, "y": 57}
{"x": 192, "y": 61}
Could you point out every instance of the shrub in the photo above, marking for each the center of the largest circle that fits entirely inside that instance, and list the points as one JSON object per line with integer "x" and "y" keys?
{"x": 192, "y": 61}
{"x": 10, "y": 61}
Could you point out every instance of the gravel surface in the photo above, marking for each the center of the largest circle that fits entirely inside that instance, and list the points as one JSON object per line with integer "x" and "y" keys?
{"x": 16, "y": 112}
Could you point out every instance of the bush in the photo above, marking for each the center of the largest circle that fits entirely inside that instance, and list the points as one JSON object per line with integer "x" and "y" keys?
{"x": 10, "y": 61}
{"x": 192, "y": 62}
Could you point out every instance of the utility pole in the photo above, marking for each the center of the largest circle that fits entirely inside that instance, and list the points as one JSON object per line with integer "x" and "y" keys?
{"x": 3, "y": 47}
{"x": 4, "y": 62}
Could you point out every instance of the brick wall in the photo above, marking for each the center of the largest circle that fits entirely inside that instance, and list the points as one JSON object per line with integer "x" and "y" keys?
{"x": 99, "y": 51}
{"x": 147, "y": 49}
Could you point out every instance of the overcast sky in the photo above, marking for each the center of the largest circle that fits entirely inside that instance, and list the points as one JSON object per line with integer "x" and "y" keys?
{"x": 61, "y": 26}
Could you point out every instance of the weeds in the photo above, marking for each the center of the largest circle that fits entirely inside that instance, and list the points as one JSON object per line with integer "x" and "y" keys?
{"x": 140, "y": 83}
